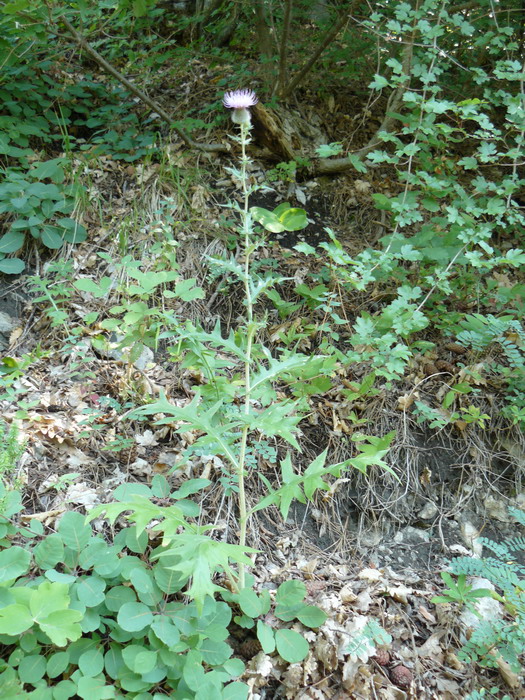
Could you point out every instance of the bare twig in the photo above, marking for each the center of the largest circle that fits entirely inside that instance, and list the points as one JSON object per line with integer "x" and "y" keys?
{"x": 84, "y": 44}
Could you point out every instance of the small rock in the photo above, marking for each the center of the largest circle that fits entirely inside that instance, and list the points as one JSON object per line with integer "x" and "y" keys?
{"x": 7, "y": 323}
{"x": 470, "y": 535}
{"x": 497, "y": 509}
{"x": 428, "y": 511}
{"x": 411, "y": 535}
{"x": 371, "y": 538}
{"x": 488, "y": 608}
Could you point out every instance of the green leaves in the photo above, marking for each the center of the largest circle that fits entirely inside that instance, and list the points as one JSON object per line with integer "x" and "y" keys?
{"x": 291, "y": 645}
{"x": 198, "y": 557}
{"x": 14, "y": 562}
{"x": 74, "y": 530}
{"x": 282, "y": 218}
{"x": 48, "y": 607}
{"x": 133, "y": 617}
{"x": 15, "y": 619}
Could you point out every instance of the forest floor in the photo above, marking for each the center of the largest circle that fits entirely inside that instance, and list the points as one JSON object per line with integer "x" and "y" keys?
{"x": 371, "y": 549}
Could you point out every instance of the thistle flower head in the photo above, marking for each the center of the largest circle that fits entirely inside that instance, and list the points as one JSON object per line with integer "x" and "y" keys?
{"x": 240, "y": 101}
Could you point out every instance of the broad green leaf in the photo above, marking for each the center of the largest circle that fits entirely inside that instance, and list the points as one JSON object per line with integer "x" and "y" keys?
{"x": 311, "y": 616}
{"x": 48, "y": 598}
{"x": 57, "y": 664}
{"x": 235, "y": 691}
{"x": 193, "y": 671}
{"x": 51, "y": 237}
{"x": 250, "y": 603}
{"x": 12, "y": 266}
{"x": 147, "y": 590}
{"x": 290, "y": 593}
{"x": 234, "y": 667}
{"x": 62, "y": 626}
{"x": 215, "y": 653}
{"x": 90, "y": 591}
{"x": 113, "y": 660}
{"x": 133, "y": 617}
{"x": 71, "y": 231}
{"x": 32, "y": 668}
{"x": 139, "y": 659}
{"x": 266, "y": 636}
{"x": 14, "y": 562}
{"x": 89, "y": 688}
{"x": 64, "y": 690}
{"x": 49, "y": 552}
{"x": 167, "y": 580}
{"x": 74, "y": 530}
{"x": 91, "y": 662}
{"x": 267, "y": 219}
{"x": 291, "y": 646}
{"x": 11, "y": 241}
{"x": 117, "y": 596}
{"x": 293, "y": 219}
{"x": 99, "y": 290}
{"x": 166, "y": 631}
{"x": 51, "y": 169}
{"x": 15, "y": 619}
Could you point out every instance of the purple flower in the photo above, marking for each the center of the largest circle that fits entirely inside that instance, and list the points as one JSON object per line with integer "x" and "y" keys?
{"x": 240, "y": 101}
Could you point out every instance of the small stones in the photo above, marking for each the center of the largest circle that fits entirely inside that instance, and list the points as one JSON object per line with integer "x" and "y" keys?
{"x": 401, "y": 676}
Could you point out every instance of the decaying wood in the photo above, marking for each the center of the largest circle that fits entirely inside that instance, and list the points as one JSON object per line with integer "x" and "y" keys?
{"x": 268, "y": 132}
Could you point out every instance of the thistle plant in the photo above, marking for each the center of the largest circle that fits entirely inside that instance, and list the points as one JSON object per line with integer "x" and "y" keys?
{"x": 240, "y": 101}
{"x": 237, "y": 406}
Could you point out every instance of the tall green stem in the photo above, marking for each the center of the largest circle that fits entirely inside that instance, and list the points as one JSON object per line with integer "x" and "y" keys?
{"x": 243, "y": 517}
